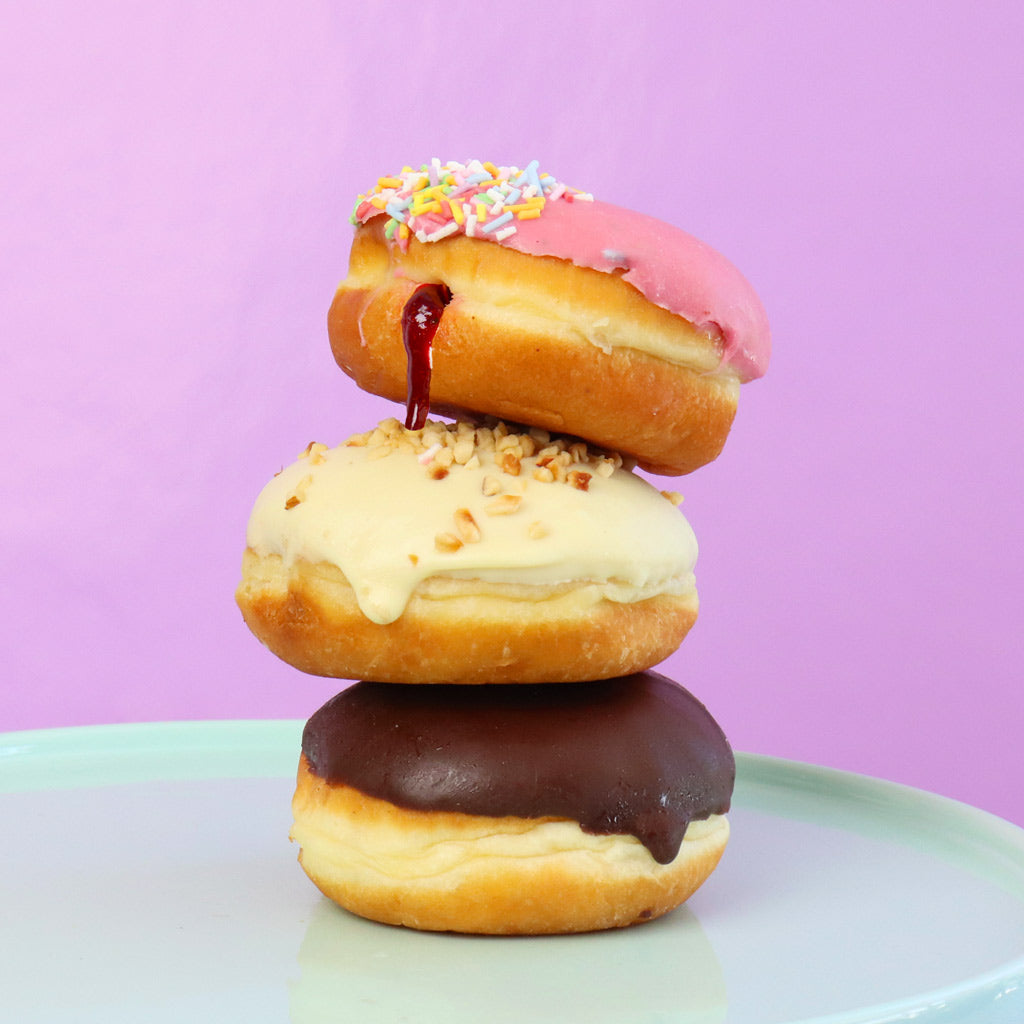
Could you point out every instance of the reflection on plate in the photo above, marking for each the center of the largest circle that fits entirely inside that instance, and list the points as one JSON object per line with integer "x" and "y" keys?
{"x": 604, "y": 976}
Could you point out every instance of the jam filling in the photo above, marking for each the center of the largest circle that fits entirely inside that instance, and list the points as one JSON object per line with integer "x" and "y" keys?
{"x": 420, "y": 319}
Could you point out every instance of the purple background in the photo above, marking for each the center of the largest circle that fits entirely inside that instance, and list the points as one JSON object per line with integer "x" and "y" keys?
{"x": 176, "y": 182}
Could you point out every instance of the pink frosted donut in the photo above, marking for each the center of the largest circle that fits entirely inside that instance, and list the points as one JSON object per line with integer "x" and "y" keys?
{"x": 559, "y": 311}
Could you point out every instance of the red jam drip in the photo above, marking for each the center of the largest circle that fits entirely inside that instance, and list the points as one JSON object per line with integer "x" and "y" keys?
{"x": 420, "y": 319}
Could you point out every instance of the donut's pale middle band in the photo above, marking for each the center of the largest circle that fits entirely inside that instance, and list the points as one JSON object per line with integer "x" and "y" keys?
{"x": 384, "y": 845}
{"x": 497, "y": 299}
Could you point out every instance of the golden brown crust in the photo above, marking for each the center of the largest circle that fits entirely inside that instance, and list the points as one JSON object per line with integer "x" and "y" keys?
{"x": 506, "y": 878}
{"x": 537, "y": 340}
{"x": 451, "y": 632}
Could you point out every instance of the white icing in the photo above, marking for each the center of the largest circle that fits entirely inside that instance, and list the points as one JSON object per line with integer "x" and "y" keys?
{"x": 375, "y": 514}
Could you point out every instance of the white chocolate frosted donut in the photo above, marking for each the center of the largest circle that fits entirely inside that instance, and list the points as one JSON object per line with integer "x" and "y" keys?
{"x": 462, "y": 554}
{"x": 574, "y": 315}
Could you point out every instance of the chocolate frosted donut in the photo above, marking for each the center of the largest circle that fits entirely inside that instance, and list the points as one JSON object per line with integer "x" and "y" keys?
{"x": 513, "y": 809}
{"x": 559, "y": 311}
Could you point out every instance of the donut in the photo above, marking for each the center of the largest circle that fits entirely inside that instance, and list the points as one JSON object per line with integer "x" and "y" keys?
{"x": 512, "y": 809}
{"x": 555, "y": 310}
{"x": 467, "y": 554}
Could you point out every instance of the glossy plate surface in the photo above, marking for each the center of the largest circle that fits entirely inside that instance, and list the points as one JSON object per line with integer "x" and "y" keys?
{"x": 147, "y": 876}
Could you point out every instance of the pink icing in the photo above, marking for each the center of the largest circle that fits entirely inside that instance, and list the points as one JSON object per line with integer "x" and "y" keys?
{"x": 669, "y": 267}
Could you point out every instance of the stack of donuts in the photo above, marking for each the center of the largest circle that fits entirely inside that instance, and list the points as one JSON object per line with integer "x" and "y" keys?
{"x": 493, "y": 570}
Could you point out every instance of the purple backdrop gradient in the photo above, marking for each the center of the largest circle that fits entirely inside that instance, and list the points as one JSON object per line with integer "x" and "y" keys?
{"x": 176, "y": 182}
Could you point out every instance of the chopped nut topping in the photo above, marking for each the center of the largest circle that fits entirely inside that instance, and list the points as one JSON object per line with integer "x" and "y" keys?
{"x": 415, "y": 559}
{"x": 466, "y": 526}
{"x": 674, "y": 496}
{"x": 299, "y": 494}
{"x": 507, "y": 441}
{"x": 504, "y": 505}
{"x": 314, "y": 451}
{"x": 536, "y": 530}
{"x": 445, "y": 447}
{"x": 463, "y": 451}
{"x": 447, "y": 542}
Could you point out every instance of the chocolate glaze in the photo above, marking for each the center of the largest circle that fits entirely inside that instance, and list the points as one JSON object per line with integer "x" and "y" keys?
{"x": 638, "y": 755}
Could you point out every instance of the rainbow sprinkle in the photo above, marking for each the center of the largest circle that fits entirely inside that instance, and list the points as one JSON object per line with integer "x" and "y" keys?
{"x": 476, "y": 198}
